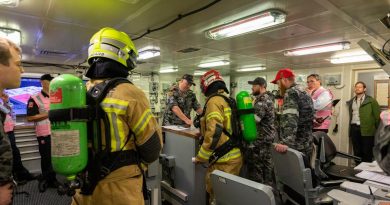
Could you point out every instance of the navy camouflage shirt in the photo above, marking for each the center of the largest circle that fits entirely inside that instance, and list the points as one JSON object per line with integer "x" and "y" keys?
{"x": 265, "y": 117}
{"x": 296, "y": 121}
{"x": 184, "y": 100}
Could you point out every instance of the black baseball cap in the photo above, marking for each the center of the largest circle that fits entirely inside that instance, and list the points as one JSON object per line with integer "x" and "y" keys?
{"x": 46, "y": 77}
{"x": 189, "y": 78}
{"x": 258, "y": 81}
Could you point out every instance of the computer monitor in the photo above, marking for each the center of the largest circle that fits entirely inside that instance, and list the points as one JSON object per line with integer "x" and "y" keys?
{"x": 234, "y": 190}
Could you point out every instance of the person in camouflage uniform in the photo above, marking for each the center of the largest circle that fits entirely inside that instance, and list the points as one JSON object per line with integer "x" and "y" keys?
{"x": 297, "y": 115}
{"x": 258, "y": 156}
{"x": 278, "y": 103}
{"x": 180, "y": 101}
{"x": 10, "y": 72}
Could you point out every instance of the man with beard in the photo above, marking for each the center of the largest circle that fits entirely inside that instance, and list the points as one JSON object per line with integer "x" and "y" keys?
{"x": 363, "y": 120}
{"x": 258, "y": 156}
{"x": 296, "y": 121}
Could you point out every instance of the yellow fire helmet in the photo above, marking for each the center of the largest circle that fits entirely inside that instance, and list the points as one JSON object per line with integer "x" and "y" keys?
{"x": 113, "y": 44}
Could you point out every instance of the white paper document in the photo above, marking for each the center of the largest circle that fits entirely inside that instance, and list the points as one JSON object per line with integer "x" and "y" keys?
{"x": 374, "y": 177}
{"x": 345, "y": 198}
{"x": 366, "y": 166}
{"x": 378, "y": 185}
{"x": 356, "y": 187}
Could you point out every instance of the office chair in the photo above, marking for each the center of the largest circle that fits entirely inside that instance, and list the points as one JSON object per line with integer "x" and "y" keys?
{"x": 326, "y": 152}
{"x": 295, "y": 181}
{"x": 234, "y": 190}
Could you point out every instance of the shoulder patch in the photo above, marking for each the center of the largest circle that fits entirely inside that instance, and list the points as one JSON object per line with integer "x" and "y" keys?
{"x": 30, "y": 104}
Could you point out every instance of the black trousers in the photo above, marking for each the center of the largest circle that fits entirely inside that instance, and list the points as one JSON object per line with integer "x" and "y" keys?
{"x": 17, "y": 165}
{"x": 45, "y": 151}
{"x": 362, "y": 145}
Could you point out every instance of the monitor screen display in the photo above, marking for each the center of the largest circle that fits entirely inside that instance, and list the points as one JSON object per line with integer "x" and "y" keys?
{"x": 19, "y": 96}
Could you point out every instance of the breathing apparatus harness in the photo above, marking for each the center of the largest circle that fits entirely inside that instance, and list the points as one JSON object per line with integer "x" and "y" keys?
{"x": 101, "y": 162}
{"x": 235, "y": 138}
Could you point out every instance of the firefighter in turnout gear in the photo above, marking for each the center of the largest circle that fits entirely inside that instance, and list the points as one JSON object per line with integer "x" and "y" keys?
{"x": 215, "y": 122}
{"x": 135, "y": 136}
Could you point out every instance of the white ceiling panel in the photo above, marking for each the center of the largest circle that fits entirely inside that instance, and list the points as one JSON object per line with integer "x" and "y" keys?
{"x": 58, "y": 31}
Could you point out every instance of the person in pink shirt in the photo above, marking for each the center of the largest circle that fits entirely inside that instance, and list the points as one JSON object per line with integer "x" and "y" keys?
{"x": 322, "y": 102}
{"x": 20, "y": 173}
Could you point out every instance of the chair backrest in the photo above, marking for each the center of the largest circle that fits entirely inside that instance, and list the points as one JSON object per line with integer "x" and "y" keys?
{"x": 290, "y": 171}
{"x": 325, "y": 146}
{"x": 234, "y": 190}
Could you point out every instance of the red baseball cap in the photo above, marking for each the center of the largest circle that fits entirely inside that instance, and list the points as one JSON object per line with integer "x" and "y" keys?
{"x": 283, "y": 73}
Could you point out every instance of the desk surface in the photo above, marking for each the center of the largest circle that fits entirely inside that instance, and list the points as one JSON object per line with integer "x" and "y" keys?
{"x": 192, "y": 133}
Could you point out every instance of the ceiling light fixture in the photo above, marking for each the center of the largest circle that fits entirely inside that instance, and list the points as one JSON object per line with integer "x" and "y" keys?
{"x": 351, "y": 59}
{"x": 11, "y": 34}
{"x": 198, "y": 73}
{"x": 248, "y": 69}
{"x": 318, "y": 49}
{"x": 247, "y": 24}
{"x": 9, "y": 3}
{"x": 146, "y": 54}
{"x": 214, "y": 64}
{"x": 168, "y": 70}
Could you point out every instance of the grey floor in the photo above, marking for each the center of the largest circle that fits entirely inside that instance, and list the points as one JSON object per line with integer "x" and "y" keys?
{"x": 33, "y": 197}
{"x": 28, "y": 194}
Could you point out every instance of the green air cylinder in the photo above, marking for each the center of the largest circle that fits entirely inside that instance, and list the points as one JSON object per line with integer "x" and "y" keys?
{"x": 247, "y": 121}
{"x": 69, "y": 149}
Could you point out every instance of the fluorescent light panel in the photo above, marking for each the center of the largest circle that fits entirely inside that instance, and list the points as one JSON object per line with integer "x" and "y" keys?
{"x": 9, "y": 3}
{"x": 11, "y": 34}
{"x": 168, "y": 70}
{"x": 249, "y": 69}
{"x": 214, "y": 64}
{"x": 351, "y": 59}
{"x": 198, "y": 73}
{"x": 247, "y": 24}
{"x": 146, "y": 54}
{"x": 318, "y": 49}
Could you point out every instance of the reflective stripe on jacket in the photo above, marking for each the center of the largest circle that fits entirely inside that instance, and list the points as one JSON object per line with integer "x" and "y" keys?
{"x": 42, "y": 128}
{"x": 128, "y": 111}
{"x": 217, "y": 117}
